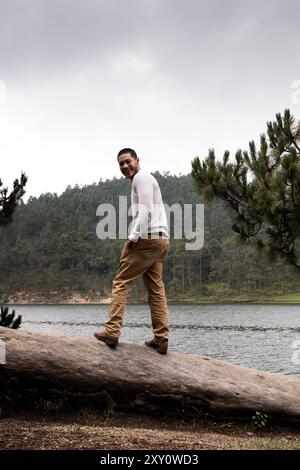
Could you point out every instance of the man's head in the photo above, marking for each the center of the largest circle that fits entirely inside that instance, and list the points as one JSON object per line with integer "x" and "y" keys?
{"x": 128, "y": 162}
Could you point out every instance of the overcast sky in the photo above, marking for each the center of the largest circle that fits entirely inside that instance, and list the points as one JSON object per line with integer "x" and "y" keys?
{"x": 81, "y": 79}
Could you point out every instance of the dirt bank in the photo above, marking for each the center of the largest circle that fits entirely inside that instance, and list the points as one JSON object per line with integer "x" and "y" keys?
{"x": 93, "y": 430}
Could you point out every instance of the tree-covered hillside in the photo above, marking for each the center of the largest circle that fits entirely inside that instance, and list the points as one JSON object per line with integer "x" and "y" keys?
{"x": 51, "y": 248}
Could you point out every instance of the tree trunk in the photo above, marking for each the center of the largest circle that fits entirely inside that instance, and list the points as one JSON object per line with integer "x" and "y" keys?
{"x": 139, "y": 377}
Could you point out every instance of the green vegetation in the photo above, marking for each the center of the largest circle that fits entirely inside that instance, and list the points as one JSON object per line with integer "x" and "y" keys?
{"x": 260, "y": 420}
{"x": 17, "y": 393}
{"x": 8, "y": 319}
{"x": 8, "y": 205}
{"x": 111, "y": 408}
{"x": 267, "y": 204}
{"x": 9, "y": 201}
{"x": 288, "y": 298}
{"x": 51, "y": 248}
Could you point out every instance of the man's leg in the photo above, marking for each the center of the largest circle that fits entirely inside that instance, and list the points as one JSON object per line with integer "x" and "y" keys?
{"x": 157, "y": 300}
{"x": 132, "y": 265}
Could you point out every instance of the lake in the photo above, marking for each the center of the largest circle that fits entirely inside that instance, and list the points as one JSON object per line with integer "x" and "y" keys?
{"x": 259, "y": 336}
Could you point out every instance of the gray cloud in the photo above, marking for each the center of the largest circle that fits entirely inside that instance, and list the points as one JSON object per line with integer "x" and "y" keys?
{"x": 200, "y": 45}
{"x": 180, "y": 34}
{"x": 86, "y": 76}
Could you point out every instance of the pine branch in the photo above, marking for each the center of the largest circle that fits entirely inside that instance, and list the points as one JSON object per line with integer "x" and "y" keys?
{"x": 271, "y": 198}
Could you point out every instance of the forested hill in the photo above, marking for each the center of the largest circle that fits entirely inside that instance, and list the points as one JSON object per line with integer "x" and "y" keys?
{"x": 51, "y": 250}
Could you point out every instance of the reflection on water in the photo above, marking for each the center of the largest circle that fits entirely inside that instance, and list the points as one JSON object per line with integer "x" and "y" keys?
{"x": 259, "y": 336}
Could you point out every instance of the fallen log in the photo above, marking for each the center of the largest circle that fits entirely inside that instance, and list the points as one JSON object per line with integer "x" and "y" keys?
{"x": 139, "y": 377}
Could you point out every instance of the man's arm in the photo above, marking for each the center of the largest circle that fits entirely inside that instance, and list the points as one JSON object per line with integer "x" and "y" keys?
{"x": 144, "y": 190}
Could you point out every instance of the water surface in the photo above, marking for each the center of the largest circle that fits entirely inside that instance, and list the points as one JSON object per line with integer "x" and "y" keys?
{"x": 259, "y": 336}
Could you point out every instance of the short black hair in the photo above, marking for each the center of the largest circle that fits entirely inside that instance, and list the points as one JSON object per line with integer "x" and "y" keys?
{"x": 131, "y": 151}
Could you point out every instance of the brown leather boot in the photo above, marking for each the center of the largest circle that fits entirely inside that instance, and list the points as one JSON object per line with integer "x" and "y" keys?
{"x": 160, "y": 346}
{"x": 109, "y": 340}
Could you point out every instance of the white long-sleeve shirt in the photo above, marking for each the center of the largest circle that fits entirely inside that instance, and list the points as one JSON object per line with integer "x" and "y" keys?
{"x": 148, "y": 211}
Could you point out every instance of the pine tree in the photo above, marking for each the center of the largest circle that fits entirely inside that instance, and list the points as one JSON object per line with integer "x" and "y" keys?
{"x": 8, "y": 202}
{"x": 8, "y": 319}
{"x": 262, "y": 187}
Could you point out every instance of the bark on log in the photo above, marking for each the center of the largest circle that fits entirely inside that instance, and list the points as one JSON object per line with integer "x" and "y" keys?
{"x": 141, "y": 378}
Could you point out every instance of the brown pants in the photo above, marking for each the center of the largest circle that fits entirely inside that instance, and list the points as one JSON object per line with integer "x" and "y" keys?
{"x": 144, "y": 258}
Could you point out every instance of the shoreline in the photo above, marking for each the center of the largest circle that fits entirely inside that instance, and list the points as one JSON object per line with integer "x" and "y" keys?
{"x": 172, "y": 302}
{"x": 47, "y": 301}
{"x": 76, "y": 298}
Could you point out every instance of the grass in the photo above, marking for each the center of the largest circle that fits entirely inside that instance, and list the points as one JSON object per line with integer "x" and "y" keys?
{"x": 218, "y": 293}
{"x": 292, "y": 298}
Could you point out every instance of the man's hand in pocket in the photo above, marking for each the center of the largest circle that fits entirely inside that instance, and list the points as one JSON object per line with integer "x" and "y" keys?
{"x": 131, "y": 244}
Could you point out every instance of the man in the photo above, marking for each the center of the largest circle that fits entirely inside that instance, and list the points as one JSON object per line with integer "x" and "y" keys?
{"x": 142, "y": 255}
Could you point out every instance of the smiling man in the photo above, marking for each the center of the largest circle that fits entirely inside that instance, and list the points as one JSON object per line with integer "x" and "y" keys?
{"x": 142, "y": 255}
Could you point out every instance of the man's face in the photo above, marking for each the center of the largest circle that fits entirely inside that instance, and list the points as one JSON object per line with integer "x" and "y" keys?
{"x": 129, "y": 166}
